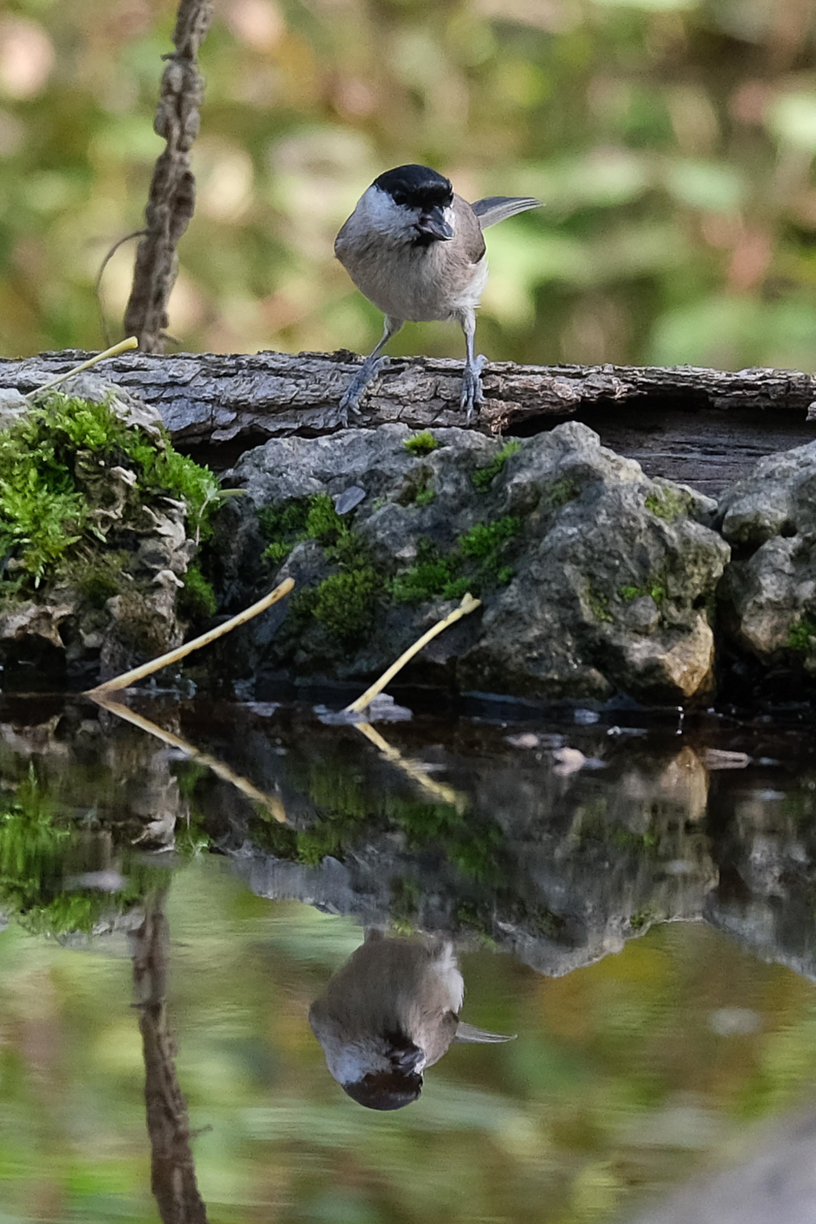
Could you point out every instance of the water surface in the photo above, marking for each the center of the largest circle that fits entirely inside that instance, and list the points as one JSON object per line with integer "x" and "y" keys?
{"x": 642, "y": 917}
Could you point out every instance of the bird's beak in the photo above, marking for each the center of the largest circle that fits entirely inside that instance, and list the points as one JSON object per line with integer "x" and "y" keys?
{"x": 432, "y": 224}
{"x": 408, "y": 1060}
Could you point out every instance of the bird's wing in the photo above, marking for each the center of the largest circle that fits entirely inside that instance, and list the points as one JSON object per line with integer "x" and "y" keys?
{"x": 470, "y": 243}
{"x": 493, "y": 209}
{"x": 477, "y": 1036}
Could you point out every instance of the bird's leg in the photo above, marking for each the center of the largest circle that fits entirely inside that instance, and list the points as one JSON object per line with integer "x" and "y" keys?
{"x": 367, "y": 371}
{"x": 472, "y": 394}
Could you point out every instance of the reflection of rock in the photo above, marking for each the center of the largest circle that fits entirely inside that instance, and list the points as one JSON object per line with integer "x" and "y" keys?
{"x": 768, "y": 863}
{"x": 568, "y": 867}
{"x": 600, "y": 585}
{"x": 776, "y": 1184}
{"x": 770, "y": 587}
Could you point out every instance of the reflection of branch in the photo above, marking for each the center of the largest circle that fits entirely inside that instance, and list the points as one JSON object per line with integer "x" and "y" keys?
{"x": 440, "y": 790}
{"x": 272, "y": 804}
{"x": 173, "y": 1179}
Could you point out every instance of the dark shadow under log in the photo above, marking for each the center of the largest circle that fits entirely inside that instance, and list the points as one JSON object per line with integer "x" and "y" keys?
{"x": 702, "y": 427}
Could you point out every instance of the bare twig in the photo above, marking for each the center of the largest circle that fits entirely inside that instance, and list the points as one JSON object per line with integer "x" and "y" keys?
{"x": 98, "y": 282}
{"x": 468, "y": 604}
{"x": 174, "y": 656}
{"x": 121, "y": 347}
{"x": 171, "y": 201}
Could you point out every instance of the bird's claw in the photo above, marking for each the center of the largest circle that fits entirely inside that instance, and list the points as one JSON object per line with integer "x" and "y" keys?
{"x": 472, "y": 393}
{"x": 350, "y": 400}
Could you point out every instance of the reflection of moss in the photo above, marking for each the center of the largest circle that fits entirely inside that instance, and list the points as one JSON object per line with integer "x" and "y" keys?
{"x": 35, "y": 849}
{"x": 350, "y": 813}
{"x": 483, "y": 477}
{"x": 405, "y": 898}
{"x": 421, "y": 443}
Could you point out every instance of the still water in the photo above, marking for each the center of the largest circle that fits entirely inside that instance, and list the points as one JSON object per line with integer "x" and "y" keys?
{"x": 633, "y": 900}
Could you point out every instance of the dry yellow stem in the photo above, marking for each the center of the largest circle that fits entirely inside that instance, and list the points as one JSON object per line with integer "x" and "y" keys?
{"x": 439, "y": 790}
{"x": 270, "y": 802}
{"x": 181, "y": 652}
{"x": 468, "y": 604}
{"x": 121, "y": 347}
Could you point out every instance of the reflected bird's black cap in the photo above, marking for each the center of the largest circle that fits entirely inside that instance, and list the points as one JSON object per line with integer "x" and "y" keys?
{"x": 385, "y": 1090}
{"x": 416, "y": 185}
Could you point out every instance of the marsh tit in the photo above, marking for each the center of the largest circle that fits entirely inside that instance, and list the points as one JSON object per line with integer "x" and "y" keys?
{"x": 416, "y": 250}
{"x": 391, "y": 1011}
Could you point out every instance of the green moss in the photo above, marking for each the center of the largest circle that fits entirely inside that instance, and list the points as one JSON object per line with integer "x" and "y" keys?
{"x": 53, "y": 466}
{"x": 802, "y": 635}
{"x": 421, "y": 443}
{"x": 562, "y": 491}
{"x": 344, "y": 602}
{"x": 667, "y": 504}
{"x": 276, "y": 552}
{"x": 656, "y": 590}
{"x": 486, "y": 539}
{"x": 100, "y": 577}
{"x": 425, "y": 580}
{"x": 196, "y": 600}
{"x": 304, "y": 518}
{"x": 598, "y": 604}
{"x": 483, "y": 477}
{"x": 323, "y": 523}
{"x": 424, "y": 496}
{"x": 284, "y": 521}
{"x": 475, "y": 562}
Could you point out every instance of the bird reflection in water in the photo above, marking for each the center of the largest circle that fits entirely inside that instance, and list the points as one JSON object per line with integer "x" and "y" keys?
{"x": 389, "y": 1013}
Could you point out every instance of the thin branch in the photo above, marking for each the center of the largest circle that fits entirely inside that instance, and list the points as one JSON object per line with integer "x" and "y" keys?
{"x": 171, "y": 201}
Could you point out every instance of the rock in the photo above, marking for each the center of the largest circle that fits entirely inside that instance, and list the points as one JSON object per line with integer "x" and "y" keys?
{"x": 595, "y": 579}
{"x": 112, "y": 601}
{"x": 769, "y": 590}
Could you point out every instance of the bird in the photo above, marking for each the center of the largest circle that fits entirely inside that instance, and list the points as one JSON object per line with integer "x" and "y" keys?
{"x": 390, "y": 1012}
{"x": 417, "y": 251}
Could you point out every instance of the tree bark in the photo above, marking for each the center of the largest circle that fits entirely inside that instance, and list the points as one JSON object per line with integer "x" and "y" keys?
{"x": 171, "y": 201}
{"x": 701, "y": 426}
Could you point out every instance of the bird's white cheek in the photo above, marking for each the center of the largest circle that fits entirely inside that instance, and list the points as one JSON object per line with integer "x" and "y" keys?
{"x": 450, "y": 217}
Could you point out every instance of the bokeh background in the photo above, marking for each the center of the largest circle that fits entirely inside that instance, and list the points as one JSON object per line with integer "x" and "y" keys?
{"x": 672, "y": 140}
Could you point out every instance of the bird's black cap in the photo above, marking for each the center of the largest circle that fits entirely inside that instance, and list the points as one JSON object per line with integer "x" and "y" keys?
{"x": 416, "y": 185}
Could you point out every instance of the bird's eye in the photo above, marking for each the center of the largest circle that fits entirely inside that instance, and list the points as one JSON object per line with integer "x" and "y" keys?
{"x": 399, "y": 197}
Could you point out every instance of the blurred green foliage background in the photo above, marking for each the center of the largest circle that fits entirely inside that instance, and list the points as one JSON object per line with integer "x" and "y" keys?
{"x": 672, "y": 141}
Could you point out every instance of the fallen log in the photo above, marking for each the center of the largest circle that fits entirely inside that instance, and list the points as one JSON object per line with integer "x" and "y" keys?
{"x": 702, "y": 427}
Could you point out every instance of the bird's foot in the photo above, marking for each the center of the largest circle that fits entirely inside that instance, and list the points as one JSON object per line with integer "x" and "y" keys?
{"x": 350, "y": 401}
{"x": 472, "y": 394}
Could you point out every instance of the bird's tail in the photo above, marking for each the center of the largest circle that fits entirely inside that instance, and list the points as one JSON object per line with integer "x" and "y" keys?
{"x": 493, "y": 209}
{"x": 477, "y": 1036}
